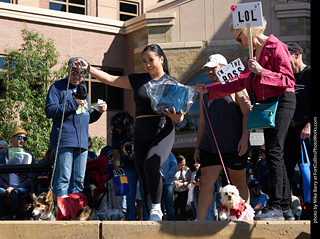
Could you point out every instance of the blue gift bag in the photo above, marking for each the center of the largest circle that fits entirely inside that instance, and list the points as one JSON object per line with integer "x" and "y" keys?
{"x": 167, "y": 93}
{"x": 120, "y": 184}
{"x": 306, "y": 172}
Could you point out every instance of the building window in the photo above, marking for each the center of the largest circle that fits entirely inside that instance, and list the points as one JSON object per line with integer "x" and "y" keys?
{"x": 114, "y": 96}
{"x": 7, "y": 1}
{"x": 190, "y": 124}
{"x": 73, "y": 6}
{"x": 128, "y": 10}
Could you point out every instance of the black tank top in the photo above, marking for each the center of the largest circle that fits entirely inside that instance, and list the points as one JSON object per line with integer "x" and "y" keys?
{"x": 226, "y": 119}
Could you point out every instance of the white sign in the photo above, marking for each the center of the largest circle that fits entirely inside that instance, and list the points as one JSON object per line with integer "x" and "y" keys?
{"x": 233, "y": 69}
{"x": 247, "y": 13}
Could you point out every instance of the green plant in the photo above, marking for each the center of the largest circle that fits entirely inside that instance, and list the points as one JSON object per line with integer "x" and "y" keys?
{"x": 27, "y": 76}
{"x": 97, "y": 144}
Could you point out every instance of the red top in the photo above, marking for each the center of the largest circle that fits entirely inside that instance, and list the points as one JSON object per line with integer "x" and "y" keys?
{"x": 236, "y": 210}
{"x": 276, "y": 76}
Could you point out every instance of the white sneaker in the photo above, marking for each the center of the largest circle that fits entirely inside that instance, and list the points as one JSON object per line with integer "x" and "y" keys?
{"x": 155, "y": 215}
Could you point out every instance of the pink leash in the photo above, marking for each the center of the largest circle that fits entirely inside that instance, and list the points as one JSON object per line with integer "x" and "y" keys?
{"x": 214, "y": 137}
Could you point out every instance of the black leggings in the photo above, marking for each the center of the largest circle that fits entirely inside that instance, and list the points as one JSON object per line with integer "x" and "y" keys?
{"x": 153, "y": 141}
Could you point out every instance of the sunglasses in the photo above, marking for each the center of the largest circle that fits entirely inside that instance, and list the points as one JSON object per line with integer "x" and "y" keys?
{"x": 19, "y": 137}
{"x": 75, "y": 72}
{"x": 238, "y": 39}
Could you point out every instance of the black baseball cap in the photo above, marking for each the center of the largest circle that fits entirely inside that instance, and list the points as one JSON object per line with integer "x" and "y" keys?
{"x": 294, "y": 47}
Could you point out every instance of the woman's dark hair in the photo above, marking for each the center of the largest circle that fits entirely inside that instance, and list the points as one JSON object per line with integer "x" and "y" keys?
{"x": 123, "y": 120}
{"x": 157, "y": 49}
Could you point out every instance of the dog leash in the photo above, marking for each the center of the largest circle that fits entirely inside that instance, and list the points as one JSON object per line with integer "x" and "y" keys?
{"x": 215, "y": 140}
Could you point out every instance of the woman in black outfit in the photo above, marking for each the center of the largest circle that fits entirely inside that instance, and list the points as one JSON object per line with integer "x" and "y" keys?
{"x": 154, "y": 134}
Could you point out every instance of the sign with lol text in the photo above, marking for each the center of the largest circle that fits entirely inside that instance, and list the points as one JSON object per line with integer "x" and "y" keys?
{"x": 232, "y": 70}
{"x": 247, "y": 13}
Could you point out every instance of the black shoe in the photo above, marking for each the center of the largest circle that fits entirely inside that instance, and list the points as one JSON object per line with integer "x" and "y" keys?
{"x": 8, "y": 217}
{"x": 270, "y": 214}
{"x": 288, "y": 215}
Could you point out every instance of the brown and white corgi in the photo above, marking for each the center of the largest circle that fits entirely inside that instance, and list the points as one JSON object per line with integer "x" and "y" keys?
{"x": 45, "y": 207}
{"x": 78, "y": 206}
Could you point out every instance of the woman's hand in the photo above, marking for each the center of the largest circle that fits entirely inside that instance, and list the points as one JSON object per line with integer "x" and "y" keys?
{"x": 176, "y": 117}
{"x": 81, "y": 63}
{"x": 254, "y": 66}
{"x": 202, "y": 88}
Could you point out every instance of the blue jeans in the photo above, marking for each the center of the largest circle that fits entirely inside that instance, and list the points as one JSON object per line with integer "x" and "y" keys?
{"x": 167, "y": 199}
{"x": 15, "y": 200}
{"x": 133, "y": 178}
{"x": 70, "y": 171}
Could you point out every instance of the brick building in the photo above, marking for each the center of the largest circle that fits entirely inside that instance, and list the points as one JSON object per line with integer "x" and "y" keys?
{"x": 111, "y": 34}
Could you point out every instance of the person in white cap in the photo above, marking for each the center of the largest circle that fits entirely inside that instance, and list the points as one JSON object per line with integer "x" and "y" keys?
{"x": 228, "y": 117}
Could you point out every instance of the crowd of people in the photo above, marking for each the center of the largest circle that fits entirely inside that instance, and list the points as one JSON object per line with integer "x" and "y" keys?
{"x": 161, "y": 184}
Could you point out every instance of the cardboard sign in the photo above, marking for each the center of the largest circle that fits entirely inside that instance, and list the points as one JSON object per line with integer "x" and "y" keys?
{"x": 15, "y": 152}
{"x": 233, "y": 69}
{"x": 247, "y": 13}
{"x": 18, "y": 156}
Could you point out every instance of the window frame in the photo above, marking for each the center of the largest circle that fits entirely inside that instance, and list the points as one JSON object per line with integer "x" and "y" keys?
{"x": 67, "y": 4}
{"x": 128, "y": 13}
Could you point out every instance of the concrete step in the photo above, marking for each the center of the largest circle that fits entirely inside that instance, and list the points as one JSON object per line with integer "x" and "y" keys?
{"x": 149, "y": 230}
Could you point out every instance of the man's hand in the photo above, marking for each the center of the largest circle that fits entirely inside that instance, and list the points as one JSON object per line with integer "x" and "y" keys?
{"x": 80, "y": 102}
{"x": 306, "y": 132}
{"x": 196, "y": 156}
{"x": 102, "y": 107}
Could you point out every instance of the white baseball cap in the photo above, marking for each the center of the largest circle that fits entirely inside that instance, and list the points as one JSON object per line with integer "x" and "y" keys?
{"x": 215, "y": 60}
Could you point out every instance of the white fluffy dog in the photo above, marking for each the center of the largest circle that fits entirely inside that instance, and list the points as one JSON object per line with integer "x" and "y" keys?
{"x": 233, "y": 207}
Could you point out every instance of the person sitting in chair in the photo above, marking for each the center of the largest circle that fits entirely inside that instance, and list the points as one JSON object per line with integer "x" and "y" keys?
{"x": 12, "y": 186}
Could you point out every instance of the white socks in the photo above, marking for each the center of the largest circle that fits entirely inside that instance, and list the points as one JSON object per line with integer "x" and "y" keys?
{"x": 156, "y": 206}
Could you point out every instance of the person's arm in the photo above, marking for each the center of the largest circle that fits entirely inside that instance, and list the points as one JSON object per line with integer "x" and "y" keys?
{"x": 218, "y": 90}
{"x": 173, "y": 167}
{"x": 261, "y": 204}
{"x": 117, "y": 81}
{"x": 188, "y": 177}
{"x": 244, "y": 104}
{"x": 306, "y": 131}
{"x": 116, "y": 155}
{"x": 281, "y": 75}
{"x": 200, "y": 135}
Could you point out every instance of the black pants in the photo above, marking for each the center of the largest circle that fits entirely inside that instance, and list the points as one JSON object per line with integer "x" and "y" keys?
{"x": 180, "y": 203}
{"x": 279, "y": 185}
{"x": 153, "y": 141}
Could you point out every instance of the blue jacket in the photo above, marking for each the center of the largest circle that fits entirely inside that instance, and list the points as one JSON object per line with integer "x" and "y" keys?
{"x": 170, "y": 168}
{"x": 73, "y": 123}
